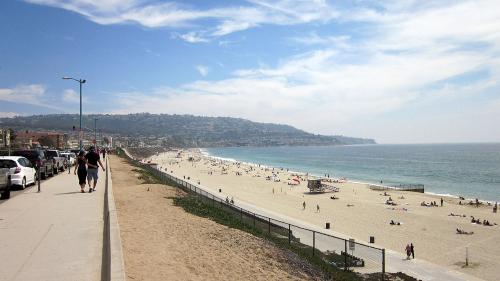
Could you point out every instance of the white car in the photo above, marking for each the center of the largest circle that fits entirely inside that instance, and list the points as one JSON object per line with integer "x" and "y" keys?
{"x": 22, "y": 172}
{"x": 70, "y": 156}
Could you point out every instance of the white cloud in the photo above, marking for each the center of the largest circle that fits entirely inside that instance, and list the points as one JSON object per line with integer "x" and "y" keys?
{"x": 70, "y": 96}
{"x": 314, "y": 39}
{"x": 409, "y": 62}
{"x": 226, "y": 20}
{"x": 30, "y": 94}
{"x": 203, "y": 70}
{"x": 192, "y": 37}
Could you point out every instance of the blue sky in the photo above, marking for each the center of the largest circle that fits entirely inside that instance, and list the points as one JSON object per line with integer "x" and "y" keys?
{"x": 398, "y": 71}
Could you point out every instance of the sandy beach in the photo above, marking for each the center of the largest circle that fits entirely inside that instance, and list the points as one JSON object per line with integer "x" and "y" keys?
{"x": 359, "y": 212}
{"x": 162, "y": 242}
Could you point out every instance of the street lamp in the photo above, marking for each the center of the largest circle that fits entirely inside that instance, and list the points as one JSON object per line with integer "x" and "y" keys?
{"x": 81, "y": 81}
{"x": 95, "y": 133}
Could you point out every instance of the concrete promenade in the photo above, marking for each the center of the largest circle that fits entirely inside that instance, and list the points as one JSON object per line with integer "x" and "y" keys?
{"x": 53, "y": 235}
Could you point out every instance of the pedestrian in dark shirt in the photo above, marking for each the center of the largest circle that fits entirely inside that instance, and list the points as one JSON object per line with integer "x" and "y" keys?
{"x": 441, "y": 202}
{"x": 104, "y": 154}
{"x": 93, "y": 162}
{"x": 412, "y": 249}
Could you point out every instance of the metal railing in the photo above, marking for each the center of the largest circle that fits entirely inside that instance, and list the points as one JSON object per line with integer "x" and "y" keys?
{"x": 339, "y": 252}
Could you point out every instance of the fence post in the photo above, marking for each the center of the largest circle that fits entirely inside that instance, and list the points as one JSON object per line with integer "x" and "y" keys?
{"x": 269, "y": 226}
{"x": 289, "y": 235}
{"x": 383, "y": 264}
{"x": 314, "y": 241}
{"x": 345, "y": 255}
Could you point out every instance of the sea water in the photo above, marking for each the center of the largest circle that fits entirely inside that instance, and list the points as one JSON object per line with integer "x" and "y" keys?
{"x": 469, "y": 170}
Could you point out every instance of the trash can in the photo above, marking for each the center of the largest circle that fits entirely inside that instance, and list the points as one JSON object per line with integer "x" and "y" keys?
{"x": 372, "y": 239}
{"x": 327, "y": 225}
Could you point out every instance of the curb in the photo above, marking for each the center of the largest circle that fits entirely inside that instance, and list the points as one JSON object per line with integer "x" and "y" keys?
{"x": 113, "y": 263}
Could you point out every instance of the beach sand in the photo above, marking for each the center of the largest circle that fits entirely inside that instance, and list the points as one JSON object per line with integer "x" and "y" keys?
{"x": 163, "y": 242}
{"x": 430, "y": 229}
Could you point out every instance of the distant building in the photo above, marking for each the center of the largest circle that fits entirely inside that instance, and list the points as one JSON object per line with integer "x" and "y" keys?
{"x": 29, "y": 138}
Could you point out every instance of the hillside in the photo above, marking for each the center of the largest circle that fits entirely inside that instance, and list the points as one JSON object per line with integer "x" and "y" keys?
{"x": 183, "y": 130}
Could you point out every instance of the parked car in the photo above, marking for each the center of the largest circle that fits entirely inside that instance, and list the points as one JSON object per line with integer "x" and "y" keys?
{"x": 37, "y": 159}
{"x": 22, "y": 172}
{"x": 58, "y": 161}
{"x": 70, "y": 158}
{"x": 4, "y": 182}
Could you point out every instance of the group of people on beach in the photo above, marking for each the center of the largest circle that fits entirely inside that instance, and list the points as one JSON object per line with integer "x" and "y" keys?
{"x": 484, "y": 222}
{"x": 87, "y": 168}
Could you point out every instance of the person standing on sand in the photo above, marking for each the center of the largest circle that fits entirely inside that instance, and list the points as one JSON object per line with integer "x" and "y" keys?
{"x": 317, "y": 208}
{"x": 93, "y": 168}
{"x": 441, "y": 202}
{"x": 408, "y": 251}
{"x": 304, "y": 205}
{"x": 412, "y": 250}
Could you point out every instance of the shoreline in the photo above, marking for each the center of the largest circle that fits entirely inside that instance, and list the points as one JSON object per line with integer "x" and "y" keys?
{"x": 359, "y": 211}
{"x": 204, "y": 152}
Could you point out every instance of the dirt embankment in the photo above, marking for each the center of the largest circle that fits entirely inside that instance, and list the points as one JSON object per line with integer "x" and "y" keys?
{"x": 163, "y": 242}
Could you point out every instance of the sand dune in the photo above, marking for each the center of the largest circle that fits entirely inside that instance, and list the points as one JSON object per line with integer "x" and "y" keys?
{"x": 163, "y": 242}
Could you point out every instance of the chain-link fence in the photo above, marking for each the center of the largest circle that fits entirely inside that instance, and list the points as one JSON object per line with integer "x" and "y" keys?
{"x": 338, "y": 252}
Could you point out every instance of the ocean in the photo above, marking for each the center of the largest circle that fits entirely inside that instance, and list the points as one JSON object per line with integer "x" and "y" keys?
{"x": 469, "y": 170}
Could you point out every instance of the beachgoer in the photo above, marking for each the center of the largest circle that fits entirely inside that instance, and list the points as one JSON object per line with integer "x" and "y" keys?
{"x": 408, "y": 251}
{"x": 93, "y": 162}
{"x": 412, "y": 249}
{"x": 82, "y": 170}
{"x": 104, "y": 153}
{"x": 317, "y": 208}
{"x": 441, "y": 202}
{"x": 304, "y": 205}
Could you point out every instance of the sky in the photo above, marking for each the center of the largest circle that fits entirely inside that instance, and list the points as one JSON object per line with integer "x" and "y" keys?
{"x": 398, "y": 71}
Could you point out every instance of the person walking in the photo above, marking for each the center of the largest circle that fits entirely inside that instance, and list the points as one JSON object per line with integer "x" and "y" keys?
{"x": 317, "y": 208}
{"x": 81, "y": 168}
{"x": 93, "y": 162}
{"x": 408, "y": 251}
{"x": 104, "y": 154}
{"x": 412, "y": 250}
{"x": 304, "y": 205}
{"x": 441, "y": 202}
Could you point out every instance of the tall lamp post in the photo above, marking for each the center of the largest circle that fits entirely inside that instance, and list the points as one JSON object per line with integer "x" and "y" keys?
{"x": 81, "y": 81}
{"x": 95, "y": 133}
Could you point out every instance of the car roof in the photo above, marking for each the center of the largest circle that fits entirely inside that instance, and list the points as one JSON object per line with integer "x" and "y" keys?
{"x": 15, "y": 158}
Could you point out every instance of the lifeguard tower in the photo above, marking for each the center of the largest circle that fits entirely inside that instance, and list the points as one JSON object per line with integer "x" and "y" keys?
{"x": 317, "y": 186}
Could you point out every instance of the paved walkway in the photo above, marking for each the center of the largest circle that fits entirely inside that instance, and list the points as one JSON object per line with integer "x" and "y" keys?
{"x": 53, "y": 235}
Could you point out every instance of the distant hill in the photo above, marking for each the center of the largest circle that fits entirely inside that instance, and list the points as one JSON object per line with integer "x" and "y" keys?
{"x": 183, "y": 130}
